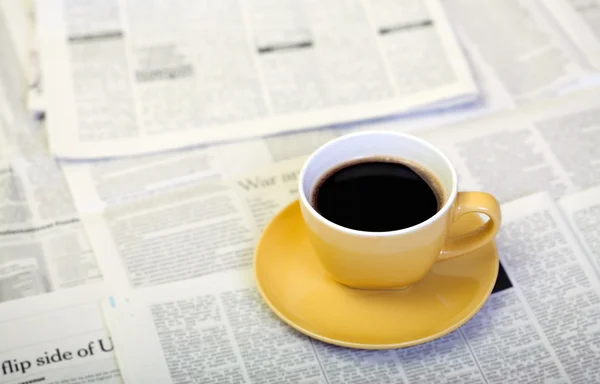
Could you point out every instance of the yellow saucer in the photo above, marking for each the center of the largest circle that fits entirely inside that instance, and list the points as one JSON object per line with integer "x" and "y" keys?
{"x": 295, "y": 286}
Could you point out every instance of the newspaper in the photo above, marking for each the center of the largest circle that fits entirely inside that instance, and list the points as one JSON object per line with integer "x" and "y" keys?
{"x": 537, "y": 326}
{"x": 98, "y": 185}
{"x": 545, "y": 61}
{"x": 57, "y": 338}
{"x": 552, "y": 146}
{"x": 580, "y": 19}
{"x": 176, "y": 207}
{"x": 123, "y": 77}
{"x": 188, "y": 231}
{"x": 43, "y": 246}
{"x": 51, "y": 324}
{"x": 547, "y": 65}
{"x": 506, "y": 73}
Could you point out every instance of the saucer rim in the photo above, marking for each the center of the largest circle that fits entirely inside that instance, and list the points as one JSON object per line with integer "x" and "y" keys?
{"x": 352, "y": 345}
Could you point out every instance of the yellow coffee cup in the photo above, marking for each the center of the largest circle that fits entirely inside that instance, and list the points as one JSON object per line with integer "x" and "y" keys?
{"x": 398, "y": 258}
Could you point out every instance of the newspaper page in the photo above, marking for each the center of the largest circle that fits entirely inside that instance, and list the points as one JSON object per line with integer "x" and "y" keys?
{"x": 539, "y": 325}
{"x": 190, "y": 231}
{"x": 551, "y": 146}
{"x": 580, "y": 19}
{"x": 124, "y": 77}
{"x": 43, "y": 246}
{"x": 522, "y": 45}
{"x": 58, "y": 338}
{"x": 582, "y": 210}
{"x": 51, "y": 324}
{"x": 96, "y": 185}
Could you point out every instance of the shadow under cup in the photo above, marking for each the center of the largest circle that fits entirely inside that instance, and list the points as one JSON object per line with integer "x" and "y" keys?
{"x": 375, "y": 260}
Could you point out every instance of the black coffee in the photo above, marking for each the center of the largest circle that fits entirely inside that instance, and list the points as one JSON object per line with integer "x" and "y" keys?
{"x": 376, "y": 195}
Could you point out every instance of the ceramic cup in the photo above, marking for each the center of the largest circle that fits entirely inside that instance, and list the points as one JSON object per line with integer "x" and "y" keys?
{"x": 394, "y": 259}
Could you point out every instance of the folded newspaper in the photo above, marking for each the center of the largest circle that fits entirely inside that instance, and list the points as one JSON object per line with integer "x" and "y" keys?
{"x": 506, "y": 72}
{"x": 122, "y": 78}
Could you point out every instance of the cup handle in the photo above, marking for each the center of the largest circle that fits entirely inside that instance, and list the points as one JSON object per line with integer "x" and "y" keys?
{"x": 468, "y": 202}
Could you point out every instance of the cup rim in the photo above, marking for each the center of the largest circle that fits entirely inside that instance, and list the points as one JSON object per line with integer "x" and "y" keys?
{"x": 356, "y": 232}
